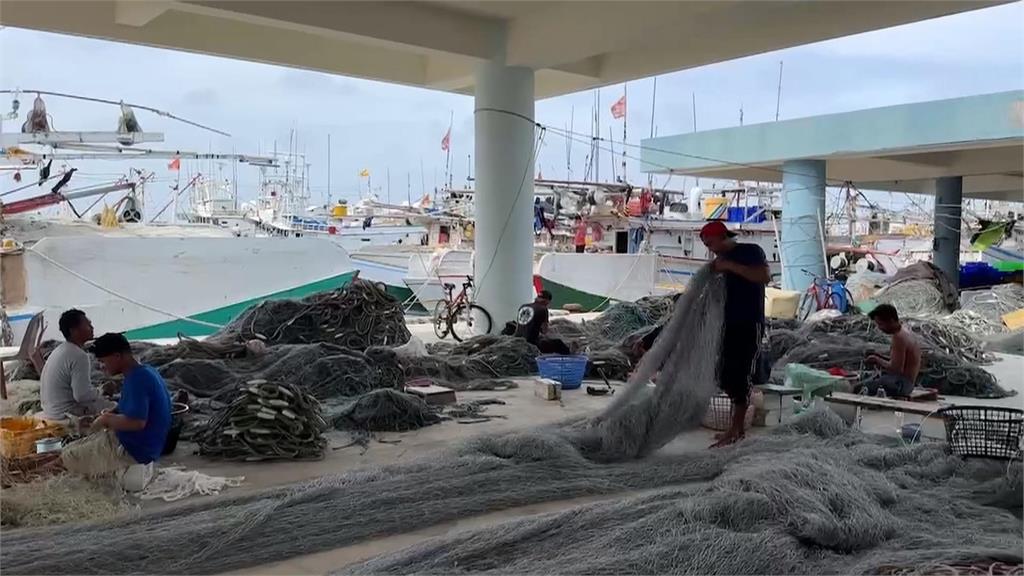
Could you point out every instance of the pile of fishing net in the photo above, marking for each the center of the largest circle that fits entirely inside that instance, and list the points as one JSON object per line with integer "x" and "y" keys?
{"x": 360, "y": 315}
{"x": 932, "y": 333}
{"x": 810, "y": 497}
{"x": 943, "y": 372}
{"x": 838, "y": 504}
{"x": 981, "y": 311}
{"x": 59, "y": 499}
{"x": 608, "y": 339}
{"x": 322, "y": 370}
{"x": 951, "y": 357}
{"x": 912, "y": 297}
{"x": 265, "y": 421}
{"x": 480, "y": 363}
{"x": 385, "y": 411}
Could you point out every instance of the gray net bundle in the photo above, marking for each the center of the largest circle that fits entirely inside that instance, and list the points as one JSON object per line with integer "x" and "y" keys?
{"x": 981, "y": 311}
{"x": 643, "y": 418}
{"x": 265, "y": 421}
{"x": 809, "y": 497}
{"x": 947, "y": 374}
{"x": 839, "y": 504}
{"x": 360, "y": 315}
{"x": 913, "y": 297}
{"x": 385, "y": 410}
{"x": 480, "y": 363}
{"x": 323, "y": 370}
{"x": 934, "y": 334}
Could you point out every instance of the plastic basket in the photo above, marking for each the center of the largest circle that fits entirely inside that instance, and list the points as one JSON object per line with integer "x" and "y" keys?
{"x": 18, "y": 435}
{"x": 984, "y": 431}
{"x": 568, "y": 370}
{"x": 719, "y": 414}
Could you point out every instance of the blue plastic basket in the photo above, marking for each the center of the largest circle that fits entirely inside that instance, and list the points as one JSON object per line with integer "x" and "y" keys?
{"x": 569, "y": 370}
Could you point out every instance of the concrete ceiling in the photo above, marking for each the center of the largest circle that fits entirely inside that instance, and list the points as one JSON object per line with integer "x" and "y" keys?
{"x": 573, "y": 45}
{"x": 898, "y": 148}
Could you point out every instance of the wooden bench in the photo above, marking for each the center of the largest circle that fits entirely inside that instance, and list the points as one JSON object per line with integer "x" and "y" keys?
{"x": 860, "y": 401}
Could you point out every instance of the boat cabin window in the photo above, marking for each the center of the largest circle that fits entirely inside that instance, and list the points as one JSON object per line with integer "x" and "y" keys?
{"x": 442, "y": 235}
{"x": 622, "y": 242}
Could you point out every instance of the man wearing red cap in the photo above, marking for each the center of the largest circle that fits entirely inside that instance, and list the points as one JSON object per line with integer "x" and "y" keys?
{"x": 746, "y": 274}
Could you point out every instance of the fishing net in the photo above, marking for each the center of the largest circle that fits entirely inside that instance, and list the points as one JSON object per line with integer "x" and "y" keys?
{"x": 386, "y": 411}
{"x": 265, "y": 421}
{"x": 912, "y": 297}
{"x": 808, "y": 497}
{"x": 931, "y": 333}
{"x": 480, "y": 363}
{"x": 360, "y": 315}
{"x": 58, "y": 500}
{"x": 841, "y": 504}
{"x": 946, "y": 373}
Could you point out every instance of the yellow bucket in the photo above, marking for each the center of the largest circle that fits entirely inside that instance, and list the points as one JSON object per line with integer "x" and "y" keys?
{"x": 716, "y": 208}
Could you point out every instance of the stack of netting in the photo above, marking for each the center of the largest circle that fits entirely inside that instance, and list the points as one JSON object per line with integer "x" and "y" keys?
{"x": 949, "y": 363}
{"x": 913, "y": 297}
{"x": 385, "y": 411}
{"x": 608, "y": 339}
{"x": 981, "y": 311}
{"x": 809, "y": 497}
{"x": 322, "y": 370}
{"x": 480, "y": 363}
{"x": 265, "y": 421}
{"x": 360, "y": 315}
{"x": 931, "y": 333}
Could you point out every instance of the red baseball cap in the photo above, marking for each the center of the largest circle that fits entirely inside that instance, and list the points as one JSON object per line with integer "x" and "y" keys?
{"x": 715, "y": 228}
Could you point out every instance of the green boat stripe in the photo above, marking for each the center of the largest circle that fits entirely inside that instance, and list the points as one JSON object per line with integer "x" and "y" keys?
{"x": 562, "y": 295}
{"x": 226, "y": 314}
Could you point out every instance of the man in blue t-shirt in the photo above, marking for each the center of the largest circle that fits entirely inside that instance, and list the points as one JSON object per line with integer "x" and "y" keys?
{"x": 746, "y": 274}
{"x": 142, "y": 418}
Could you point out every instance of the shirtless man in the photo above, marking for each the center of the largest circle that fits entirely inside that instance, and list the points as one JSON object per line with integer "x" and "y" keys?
{"x": 899, "y": 372}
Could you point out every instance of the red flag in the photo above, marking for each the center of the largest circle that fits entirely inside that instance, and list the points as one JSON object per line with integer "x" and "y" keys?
{"x": 175, "y": 164}
{"x": 619, "y": 108}
{"x": 447, "y": 140}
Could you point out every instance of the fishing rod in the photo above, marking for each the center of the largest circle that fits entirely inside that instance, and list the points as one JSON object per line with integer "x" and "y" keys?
{"x": 117, "y": 103}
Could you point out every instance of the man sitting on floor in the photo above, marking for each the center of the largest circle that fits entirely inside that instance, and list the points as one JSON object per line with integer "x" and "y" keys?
{"x": 136, "y": 430}
{"x": 532, "y": 324}
{"x": 65, "y": 387}
{"x": 899, "y": 372}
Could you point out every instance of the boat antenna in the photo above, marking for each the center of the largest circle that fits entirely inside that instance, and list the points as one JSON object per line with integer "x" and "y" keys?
{"x": 104, "y": 101}
{"x": 778, "y": 94}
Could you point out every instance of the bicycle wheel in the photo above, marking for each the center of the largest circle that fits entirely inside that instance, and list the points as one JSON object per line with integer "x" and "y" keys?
{"x": 468, "y": 321}
{"x": 442, "y": 323}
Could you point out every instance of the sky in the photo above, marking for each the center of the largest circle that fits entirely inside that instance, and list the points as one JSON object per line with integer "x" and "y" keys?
{"x": 395, "y": 132}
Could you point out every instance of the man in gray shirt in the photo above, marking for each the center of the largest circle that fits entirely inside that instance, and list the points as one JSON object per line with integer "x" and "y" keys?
{"x": 65, "y": 386}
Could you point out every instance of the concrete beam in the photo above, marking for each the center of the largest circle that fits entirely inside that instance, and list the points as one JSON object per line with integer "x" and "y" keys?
{"x": 139, "y": 13}
{"x": 418, "y": 26}
{"x": 227, "y": 37}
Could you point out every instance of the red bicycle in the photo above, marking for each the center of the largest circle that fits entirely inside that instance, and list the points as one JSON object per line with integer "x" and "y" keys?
{"x": 824, "y": 294}
{"x": 458, "y": 315}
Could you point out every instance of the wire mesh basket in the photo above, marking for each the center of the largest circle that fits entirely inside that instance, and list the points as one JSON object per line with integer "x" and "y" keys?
{"x": 984, "y": 431}
{"x": 719, "y": 414}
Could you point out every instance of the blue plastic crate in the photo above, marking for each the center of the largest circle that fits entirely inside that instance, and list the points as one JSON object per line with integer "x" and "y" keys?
{"x": 569, "y": 370}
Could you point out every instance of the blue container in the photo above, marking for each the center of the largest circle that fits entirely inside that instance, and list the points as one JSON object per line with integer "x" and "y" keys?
{"x": 739, "y": 214}
{"x": 569, "y": 370}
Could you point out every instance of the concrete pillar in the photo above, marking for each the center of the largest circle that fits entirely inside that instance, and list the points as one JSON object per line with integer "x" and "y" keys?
{"x": 803, "y": 210}
{"x": 946, "y": 246}
{"x": 504, "y": 159}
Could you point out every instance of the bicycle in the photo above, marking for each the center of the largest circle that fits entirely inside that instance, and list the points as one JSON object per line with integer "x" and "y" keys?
{"x": 824, "y": 294}
{"x": 459, "y": 316}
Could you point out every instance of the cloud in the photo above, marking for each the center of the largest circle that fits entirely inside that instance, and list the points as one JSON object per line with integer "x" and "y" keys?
{"x": 201, "y": 97}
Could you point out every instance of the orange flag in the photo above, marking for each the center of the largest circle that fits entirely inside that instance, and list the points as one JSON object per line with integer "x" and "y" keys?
{"x": 175, "y": 164}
